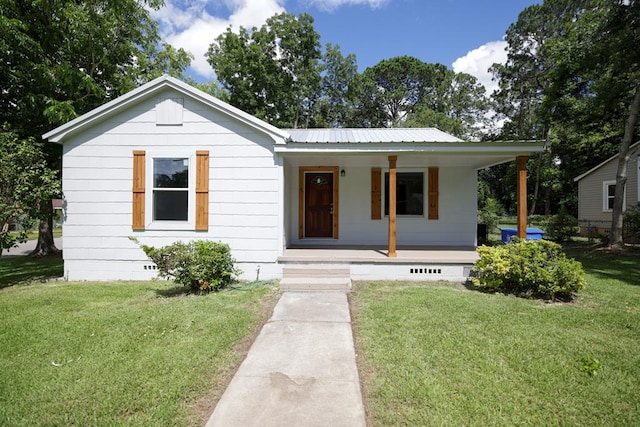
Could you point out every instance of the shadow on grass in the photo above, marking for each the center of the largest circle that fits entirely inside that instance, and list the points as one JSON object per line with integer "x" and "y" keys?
{"x": 182, "y": 291}
{"x": 599, "y": 261}
{"x": 23, "y": 269}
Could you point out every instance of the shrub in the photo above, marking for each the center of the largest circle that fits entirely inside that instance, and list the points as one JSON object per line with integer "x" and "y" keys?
{"x": 528, "y": 268}
{"x": 561, "y": 227}
{"x": 201, "y": 265}
{"x": 632, "y": 223}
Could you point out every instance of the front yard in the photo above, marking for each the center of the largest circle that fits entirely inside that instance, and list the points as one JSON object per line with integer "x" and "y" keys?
{"x": 120, "y": 353}
{"x": 445, "y": 355}
{"x": 429, "y": 354}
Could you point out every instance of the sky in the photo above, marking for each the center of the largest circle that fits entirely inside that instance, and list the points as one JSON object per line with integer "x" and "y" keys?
{"x": 465, "y": 35}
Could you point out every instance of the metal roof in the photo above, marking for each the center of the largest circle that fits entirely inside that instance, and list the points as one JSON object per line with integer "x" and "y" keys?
{"x": 369, "y": 135}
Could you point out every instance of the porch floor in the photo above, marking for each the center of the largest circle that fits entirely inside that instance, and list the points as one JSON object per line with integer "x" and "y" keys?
{"x": 378, "y": 255}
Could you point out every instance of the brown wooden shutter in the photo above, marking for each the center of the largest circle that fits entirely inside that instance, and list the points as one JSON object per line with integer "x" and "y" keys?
{"x": 376, "y": 193}
{"x": 202, "y": 190}
{"x": 433, "y": 193}
{"x": 138, "y": 189}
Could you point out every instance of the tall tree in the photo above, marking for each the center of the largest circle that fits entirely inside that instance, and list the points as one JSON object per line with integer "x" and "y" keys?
{"x": 396, "y": 87}
{"x": 599, "y": 71}
{"x": 61, "y": 58}
{"x": 338, "y": 88}
{"x": 272, "y": 72}
{"x": 458, "y": 106}
{"x": 24, "y": 182}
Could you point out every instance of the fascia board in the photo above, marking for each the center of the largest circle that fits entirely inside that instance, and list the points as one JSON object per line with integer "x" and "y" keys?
{"x": 446, "y": 148}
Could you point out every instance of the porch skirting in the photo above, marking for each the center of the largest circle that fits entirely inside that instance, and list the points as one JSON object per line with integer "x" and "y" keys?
{"x": 410, "y": 264}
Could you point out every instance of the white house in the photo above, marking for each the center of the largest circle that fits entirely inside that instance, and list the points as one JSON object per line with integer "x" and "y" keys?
{"x": 596, "y": 189}
{"x": 168, "y": 162}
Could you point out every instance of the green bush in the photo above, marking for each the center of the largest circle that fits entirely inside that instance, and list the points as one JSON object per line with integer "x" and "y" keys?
{"x": 632, "y": 223}
{"x": 528, "y": 268}
{"x": 201, "y": 265}
{"x": 561, "y": 227}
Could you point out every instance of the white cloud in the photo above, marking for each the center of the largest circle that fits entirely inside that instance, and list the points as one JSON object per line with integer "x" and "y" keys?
{"x": 189, "y": 25}
{"x": 478, "y": 61}
{"x": 330, "y": 5}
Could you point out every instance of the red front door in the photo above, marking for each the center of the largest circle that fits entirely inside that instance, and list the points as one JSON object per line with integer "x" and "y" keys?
{"x": 318, "y": 204}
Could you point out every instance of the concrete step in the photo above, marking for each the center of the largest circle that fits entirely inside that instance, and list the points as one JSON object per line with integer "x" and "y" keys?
{"x": 315, "y": 271}
{"x": 315, "y": 284}
{"x": 315, "y": 278}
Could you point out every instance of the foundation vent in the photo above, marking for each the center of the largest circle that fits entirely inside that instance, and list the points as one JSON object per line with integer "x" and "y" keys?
{"x": 425, "y": 270}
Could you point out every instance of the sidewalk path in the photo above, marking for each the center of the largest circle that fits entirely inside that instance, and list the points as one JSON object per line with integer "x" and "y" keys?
{"x": 27, "y": 247}
{"x": 300, "y": 371}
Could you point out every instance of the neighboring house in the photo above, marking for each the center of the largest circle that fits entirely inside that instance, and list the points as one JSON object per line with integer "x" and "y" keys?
{"x": 596, "y": 189}
{"x": 168, "y": 162}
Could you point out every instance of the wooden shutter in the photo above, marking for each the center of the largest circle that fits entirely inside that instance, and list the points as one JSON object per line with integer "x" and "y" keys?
{"x": 433, "y": 193}
{"x": 138, "y": 189}
{"x": 376, "y": 193}
{"x": 202, "y": 190}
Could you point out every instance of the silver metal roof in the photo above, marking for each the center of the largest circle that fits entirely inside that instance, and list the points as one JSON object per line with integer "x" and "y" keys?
{"x": 369, "y": 135}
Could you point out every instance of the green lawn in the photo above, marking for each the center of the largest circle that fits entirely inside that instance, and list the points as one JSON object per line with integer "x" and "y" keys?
{"x": 22, "y": 269}
{"x": 444, "y": 355}
{"x": 141, "y": 354}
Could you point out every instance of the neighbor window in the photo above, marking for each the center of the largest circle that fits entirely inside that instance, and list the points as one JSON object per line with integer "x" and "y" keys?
{"x": 409, "y": 193}
{"x": 170, "y": 189}
{"x": 608, "y": 194}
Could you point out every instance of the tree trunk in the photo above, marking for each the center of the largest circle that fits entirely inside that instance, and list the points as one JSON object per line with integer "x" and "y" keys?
{"x": 46, "y": 245}
{"x": 616, "y": 241}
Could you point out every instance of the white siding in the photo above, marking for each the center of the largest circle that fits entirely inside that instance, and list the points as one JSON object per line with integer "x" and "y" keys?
{"x": 97, "y": 184}
{"x": 456, "y": 225}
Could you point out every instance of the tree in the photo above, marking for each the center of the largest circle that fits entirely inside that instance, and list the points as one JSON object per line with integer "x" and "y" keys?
{"x": 599, "y": 71}
{"x": 394, "y": 88}
{"x": 459, "y": 106}
{"x": 272, "y": 72}
{"x": 336, "y": 102}
{"x": 25, "y": 181}
{"x": 62, "y": 58}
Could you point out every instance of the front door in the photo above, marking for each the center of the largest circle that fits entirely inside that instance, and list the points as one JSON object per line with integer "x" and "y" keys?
{"x": 318, "y": 204}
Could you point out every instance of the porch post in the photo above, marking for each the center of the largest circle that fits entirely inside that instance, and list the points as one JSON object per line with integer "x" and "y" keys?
{"x": 391, "y": 253}
{"x": 521, "y": 162}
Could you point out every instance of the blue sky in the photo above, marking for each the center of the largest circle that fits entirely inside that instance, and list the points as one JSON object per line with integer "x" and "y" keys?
{"x": 465, "y": 35}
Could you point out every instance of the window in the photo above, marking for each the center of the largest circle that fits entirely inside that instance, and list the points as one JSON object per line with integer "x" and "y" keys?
{"x": 170, "y": 189}
{"x": 608, "y": 194}
{"x": 409, "y": 193}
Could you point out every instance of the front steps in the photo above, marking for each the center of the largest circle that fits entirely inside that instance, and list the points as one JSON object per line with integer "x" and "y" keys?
{"x": 315, "y": 278}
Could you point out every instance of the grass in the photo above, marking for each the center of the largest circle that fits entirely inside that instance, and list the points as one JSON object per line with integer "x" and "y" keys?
{"x": 120, "y": 353}
{"x": 23, "y": 269}
{"x": 445, "y": 355}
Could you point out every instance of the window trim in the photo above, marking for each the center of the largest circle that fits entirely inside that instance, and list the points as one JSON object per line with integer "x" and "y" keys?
{"x": 385, "y": 196}
{"x": 190, "y": 223}
{"x": 605, "y": 196}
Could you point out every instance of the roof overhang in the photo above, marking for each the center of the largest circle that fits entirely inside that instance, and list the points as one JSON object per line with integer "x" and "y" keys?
{"x": 477, "y": 155}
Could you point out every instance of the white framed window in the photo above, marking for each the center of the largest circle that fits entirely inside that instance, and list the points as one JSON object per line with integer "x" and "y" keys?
{"x": 409, "y": 193}
{"x": 171, "y": 178}
{"x": 608, "y": 194}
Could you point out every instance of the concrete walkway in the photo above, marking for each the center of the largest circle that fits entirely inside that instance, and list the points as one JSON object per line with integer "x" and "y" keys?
{"x": 300, "y": 371}
{"x": 27, "y": 247}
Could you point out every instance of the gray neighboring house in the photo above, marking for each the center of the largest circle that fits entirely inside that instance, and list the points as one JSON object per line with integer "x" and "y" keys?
{"x": 596, "y": 189}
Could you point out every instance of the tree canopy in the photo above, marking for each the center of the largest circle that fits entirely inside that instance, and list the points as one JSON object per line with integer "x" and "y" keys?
{"x": 62, "y": 58}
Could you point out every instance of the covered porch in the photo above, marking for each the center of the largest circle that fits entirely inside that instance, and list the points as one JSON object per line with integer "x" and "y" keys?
{"x": 364, "y": 196}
